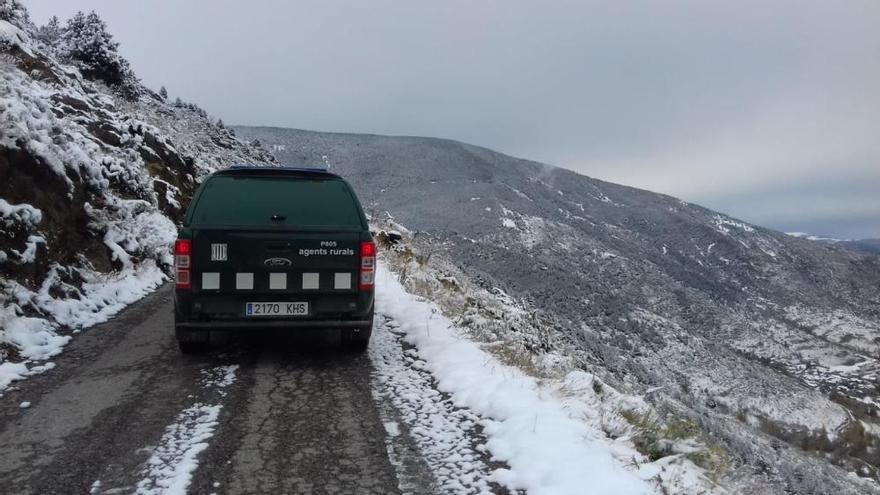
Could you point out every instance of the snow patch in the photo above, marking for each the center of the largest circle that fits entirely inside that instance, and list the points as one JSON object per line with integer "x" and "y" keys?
{"x": 29, "y": 255}
{"x": 219, "y": 377}
{"x": 23, "y": 213}
{"x": 37, "y": 338}
{"x": 532, "y": 230}
{"x": 11, "y": 35}
{"x": 391, "y": 428}
{"x": 170, "y": 468}
{"x": 10, "y": 372}
{"x": 519, "y": 193}
{"x": 722, "y": 223}
{"x": 811, "y": 237}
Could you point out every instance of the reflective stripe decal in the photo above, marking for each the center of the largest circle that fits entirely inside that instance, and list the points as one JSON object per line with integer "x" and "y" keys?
{"x": 311, "y": 281}
{"x": 277, "y": 281}
{"x": 244, "y": 281}
{"x": 342, "y": 281}
{"x": 210, "y": 280}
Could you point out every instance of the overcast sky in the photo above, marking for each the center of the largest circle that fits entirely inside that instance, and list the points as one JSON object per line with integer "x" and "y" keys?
{"x": 767, "y": 110}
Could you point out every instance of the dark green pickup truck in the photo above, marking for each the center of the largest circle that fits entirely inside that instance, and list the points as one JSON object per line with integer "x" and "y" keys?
{"x": 282, "y": 248}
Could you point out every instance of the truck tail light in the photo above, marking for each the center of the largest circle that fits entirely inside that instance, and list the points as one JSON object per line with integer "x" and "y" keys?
{"x": 182, "y": 264}
{"x": 367, "y": 277}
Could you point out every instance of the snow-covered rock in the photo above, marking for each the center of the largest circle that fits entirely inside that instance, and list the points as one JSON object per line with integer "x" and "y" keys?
{"x": 94, "y": 172}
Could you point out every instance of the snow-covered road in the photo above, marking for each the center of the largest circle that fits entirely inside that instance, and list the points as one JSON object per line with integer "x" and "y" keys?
{"x": 424, "y": 411}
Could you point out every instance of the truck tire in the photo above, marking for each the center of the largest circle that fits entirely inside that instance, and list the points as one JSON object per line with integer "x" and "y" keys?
{"x": 192, "y": 342}
{"x": 357, "y": 340}
{"x": 192, "y": 347}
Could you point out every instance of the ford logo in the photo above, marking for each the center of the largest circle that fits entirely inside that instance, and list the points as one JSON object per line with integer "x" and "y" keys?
{"x": 277, "y": 262}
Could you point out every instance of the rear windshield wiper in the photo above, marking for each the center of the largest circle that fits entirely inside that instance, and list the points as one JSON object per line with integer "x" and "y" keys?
{"x": 278, "y": 218}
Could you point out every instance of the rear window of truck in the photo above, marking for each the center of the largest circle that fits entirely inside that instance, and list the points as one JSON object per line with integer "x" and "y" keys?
{"x": 293, "y": 202}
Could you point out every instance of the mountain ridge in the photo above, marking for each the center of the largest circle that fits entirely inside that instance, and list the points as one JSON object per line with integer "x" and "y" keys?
{"x": 354, "y": 135}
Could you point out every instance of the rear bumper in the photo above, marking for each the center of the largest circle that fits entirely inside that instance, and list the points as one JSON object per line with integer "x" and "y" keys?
{"x": 205, "y": 311}
{"x": 270, "y": 324}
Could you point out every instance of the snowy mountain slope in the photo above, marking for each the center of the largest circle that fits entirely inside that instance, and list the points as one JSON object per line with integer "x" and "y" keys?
{"x": 93, "y": 173}
{"x": 769, "y": 342}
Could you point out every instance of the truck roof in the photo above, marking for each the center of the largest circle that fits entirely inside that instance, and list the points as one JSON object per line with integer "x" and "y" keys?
{"x": 246, "y": 169}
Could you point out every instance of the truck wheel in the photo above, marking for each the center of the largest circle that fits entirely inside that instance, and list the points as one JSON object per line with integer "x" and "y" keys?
{"x": 192, "y": 342}
{"x": 357, "y": 341}
{"x": 192, "y": 347}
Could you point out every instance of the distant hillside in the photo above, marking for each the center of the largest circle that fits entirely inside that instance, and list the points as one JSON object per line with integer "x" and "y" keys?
{"x": 867, "y": 246}
{"x": 94, "y": 170}
{"x": 769, "y": 342}
{"x": 864, "y": 246}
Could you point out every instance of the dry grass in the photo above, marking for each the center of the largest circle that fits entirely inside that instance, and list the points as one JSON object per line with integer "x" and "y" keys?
{"x": 656, "y": 439}
{"x": 516, "y": 357}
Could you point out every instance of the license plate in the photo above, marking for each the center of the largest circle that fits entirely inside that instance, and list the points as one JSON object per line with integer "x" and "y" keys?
{"x": 276, "y": 308}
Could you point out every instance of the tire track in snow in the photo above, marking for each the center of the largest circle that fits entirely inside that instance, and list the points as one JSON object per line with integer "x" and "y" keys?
{"x": 170, "y": 468}
{"x": 410, "y": 470}
{"x": 449, "y": 438}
